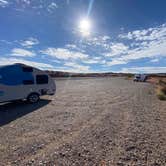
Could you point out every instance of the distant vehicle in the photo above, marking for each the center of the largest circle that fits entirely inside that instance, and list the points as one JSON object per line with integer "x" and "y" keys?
{"x": 19, "y": 82}
{"x": 140, "y": 78}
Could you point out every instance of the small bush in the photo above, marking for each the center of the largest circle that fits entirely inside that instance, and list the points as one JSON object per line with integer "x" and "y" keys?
{"x": 162, "y": 83}
{"x": 161, "y": 92}
{"x": 129, "y": 76}
{"x": 163, "y": 89}
{"x": 161, "y": 96}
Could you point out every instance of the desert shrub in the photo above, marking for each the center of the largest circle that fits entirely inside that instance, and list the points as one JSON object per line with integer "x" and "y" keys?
{"x": 162, "y": 82}
{"x": 129, "y": 76}
{"x": 163, "y": 89}
{"x": 161, "y": 92}
{"x": 161, "y": 96}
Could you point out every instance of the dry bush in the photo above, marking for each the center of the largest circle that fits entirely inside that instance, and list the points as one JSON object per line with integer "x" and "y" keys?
{"x": 129, "y": 76}
{"x": 162, "y": 82}
{"x": 161, "y": 90}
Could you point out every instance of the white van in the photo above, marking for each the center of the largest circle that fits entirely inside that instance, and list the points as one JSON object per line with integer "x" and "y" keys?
{"x": 19, "y": 82}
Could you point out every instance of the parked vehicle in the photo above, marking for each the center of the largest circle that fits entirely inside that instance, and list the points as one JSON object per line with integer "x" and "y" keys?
{"x": 140, "y": 78}
{"x": 19, "y": 82}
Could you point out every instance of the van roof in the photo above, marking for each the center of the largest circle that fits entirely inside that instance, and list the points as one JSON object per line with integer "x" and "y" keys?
{"x": 15, "y": 64}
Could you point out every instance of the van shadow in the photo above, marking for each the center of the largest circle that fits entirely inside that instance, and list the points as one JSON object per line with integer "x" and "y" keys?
{"x": 12, "y": 111}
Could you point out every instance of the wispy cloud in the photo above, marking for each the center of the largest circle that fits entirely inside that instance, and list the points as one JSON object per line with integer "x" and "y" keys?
{"x": 75, "y": 67}
{"x": 146, "y": 34}
{"x": 22, "y": 52}
{"x": 97, "y": 41}
{"x": 37, "y": 6}
{"x": 51, "y": 7}
{"x": 7, "y": 61}
{"x": 144, "y": 70}
{"x": 115, "y": 62}
{"x": 4, "y": 3}
{"x": 72, "y": 54}
{"x": 91, "y": 61}
{"x": 116, "y": 49}
{"x": 71, "y": 46}
{"x": 29, "y": 42}
{"x": 64, "y": 54}
{"x": 154, "y": 60}
{"x": 5, "y": 41}
{"x": 146, "y": 43}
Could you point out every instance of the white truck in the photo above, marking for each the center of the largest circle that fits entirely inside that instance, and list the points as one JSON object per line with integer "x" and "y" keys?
{"x": 22, "y": 82}
{"x": 140, "y": 78}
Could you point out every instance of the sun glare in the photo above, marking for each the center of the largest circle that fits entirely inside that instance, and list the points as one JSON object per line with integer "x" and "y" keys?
{"x": 85, "y": 27}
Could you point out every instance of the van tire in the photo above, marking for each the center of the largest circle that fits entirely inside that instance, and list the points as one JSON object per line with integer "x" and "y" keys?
{"x": 33, "y": 98}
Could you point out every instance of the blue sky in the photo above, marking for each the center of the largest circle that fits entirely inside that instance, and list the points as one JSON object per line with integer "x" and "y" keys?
{"x": 123, "y": 35}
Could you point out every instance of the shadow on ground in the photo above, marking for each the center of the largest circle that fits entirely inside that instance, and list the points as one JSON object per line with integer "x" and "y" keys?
{"x": 12, "y": 111}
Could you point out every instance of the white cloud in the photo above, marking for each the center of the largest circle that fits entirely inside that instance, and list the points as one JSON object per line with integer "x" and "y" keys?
{"x": 94, "y": 60}
{"x": 147, "y": 43}
{"x": 29, "y": 42}
{"x": 154, "y": 49}
{"x": 4, "y": 3}
{"x": 154, "y": 60}
{"x": 71, "y": 46}
{"x": 22, "y": 52}
{"x": 51, "y": 7}
{"x": 5, "y": 41}
{"x": 56, "y": 61}
{"x": 98, "y": 41}
{"x": 7, "y": 61}
{"x": 146, "y": 34}
{"x": 37, "y": 7}
{"x": 74, "y": 47}
{"x": 144, "y": 70}
{"x": 91, "y": 61}
{"x": 115, "y": 62}
{"x": 106, "y": 38}
{"x": 64, "y": 54}
{"x": 77, "y": 68}
{"x": 26, "y": 2}
{"x": 116, "y": 49}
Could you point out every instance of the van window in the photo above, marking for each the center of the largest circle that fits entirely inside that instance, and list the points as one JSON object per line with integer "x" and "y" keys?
{"x": 42, "y": 79}
{"x": 28, "y": 82}
{"x": 27, "y": 69}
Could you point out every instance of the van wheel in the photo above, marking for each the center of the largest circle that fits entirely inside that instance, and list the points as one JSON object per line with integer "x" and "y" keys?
{"x": 33, "y": 98}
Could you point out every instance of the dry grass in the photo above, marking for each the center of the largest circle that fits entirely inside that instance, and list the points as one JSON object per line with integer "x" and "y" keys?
{"x": 129, "y": 76}
{"x": 161, "y": 89}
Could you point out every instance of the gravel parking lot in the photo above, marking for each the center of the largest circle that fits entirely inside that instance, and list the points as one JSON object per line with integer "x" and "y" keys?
{"x": 89, "y": 122}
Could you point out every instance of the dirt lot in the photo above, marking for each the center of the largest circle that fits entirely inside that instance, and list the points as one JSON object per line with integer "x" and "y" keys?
{"x": 89, "y": 122}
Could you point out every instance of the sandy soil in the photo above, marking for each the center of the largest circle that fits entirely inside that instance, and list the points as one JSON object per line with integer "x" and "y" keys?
{"x": 89, "y": 122}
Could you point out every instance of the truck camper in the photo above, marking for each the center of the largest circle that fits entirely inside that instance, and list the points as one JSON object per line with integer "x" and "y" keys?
{"x": 22, "y": 82}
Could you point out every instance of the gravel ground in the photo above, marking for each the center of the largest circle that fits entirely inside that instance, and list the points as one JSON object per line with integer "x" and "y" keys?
{"x": 89, "y": 122}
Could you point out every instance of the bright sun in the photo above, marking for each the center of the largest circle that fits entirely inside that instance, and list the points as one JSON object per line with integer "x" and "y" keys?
{"x": 85, "y": 27}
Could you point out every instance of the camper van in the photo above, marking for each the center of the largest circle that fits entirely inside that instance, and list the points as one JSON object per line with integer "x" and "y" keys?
{"x": 22, "y": 82}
